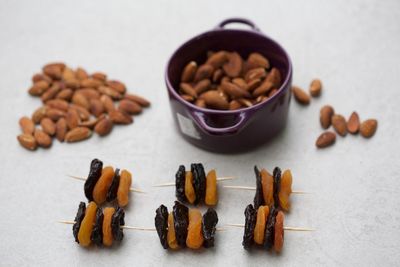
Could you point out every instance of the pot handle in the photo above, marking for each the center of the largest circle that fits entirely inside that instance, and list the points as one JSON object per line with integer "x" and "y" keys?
{"x": 222, "y": 24}
{"x": 199, "y": 118}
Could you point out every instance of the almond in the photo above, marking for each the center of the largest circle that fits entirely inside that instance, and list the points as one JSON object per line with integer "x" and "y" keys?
{"x": 217, "y": 75}
{"x": 315, "y": 87}
{"x": 368, "y": 128}
{"x": 92, "y": 83}
{"x": 234, "y": 91}
{"x": 241, "y": 83}
{"x": 274, "y": 76}
{"x": 188, "y": 89}
{"x": 39, "y": 114}
{"x": 263, "y": 89}
{"x": 188, "y": 72}
{"x": 257, "y": 73}
{"x": 110, "y": 92}
{"x": 42, "y": 138}
{"x": 353, "y": 124}
{"x": 117, "y": 86}
{"x": 27, "y": 141}
{"x": 68, "y": 74}
{"x": 187, "y": 98}
{"x": 81, "y": 74}
{"x": 234, "y": 104}
{"x": 257, "y": 60}
{"x": 129, "y": 107}
{"x": 72, "y": 83}
{"x": 214, "y": 99}
{"x": 84, "y": 115}
{"x": 54, "y": 70}
{"x": 138, "y": 99}
{"x": 245, "y": 102}
{"x": 108, "y": 103}
{"x": 54, "y": 114}
{"x": 51, "y": 92}
{"x": 48, "y": 126}
{"x": 78, "y": 134}
{"x": 300, "y": 95}
{"x": 103, "y": 127}
{"x": 72, "y": 118}
{"x": 58, "y": 104}
{"x": 119, "y": 117}
{"x": 217, "y": 59}
{"x": 325, "y": 116}
{"x": 89, "y": 93}
{"x": 91, "y": 123}
{"x": 253, "y": 84}
{"x": 80, "y": 100}
{"x": 202, "y": 86}
{"x": 205, "y": 71}
{"x": 233, "y": 67}
{"x": 41, "y": 77}
{"x": 65, "y": 94}
{"x": 339, "y": 124}
{"x": 200, "y": 103}
{"x": 39, "y": 88}
{"x": 61, "y": 129}
{"x": 96, "y": 107}
{"x": 27, "y": 125}
{"x": 326, "y": 139}
{"x": 99, "y": 76}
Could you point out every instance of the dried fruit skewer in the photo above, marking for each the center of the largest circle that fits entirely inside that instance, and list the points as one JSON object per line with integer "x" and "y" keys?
{"x": 107, "y": 185}
{"x": 195, "y": 186}
{"x": 272, "y": 189}
{"x": 265, "y": 227}
{"x": 185, "y": 227}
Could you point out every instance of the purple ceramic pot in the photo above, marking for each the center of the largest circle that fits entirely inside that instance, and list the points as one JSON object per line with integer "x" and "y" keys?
{"x": 236, "y": 130}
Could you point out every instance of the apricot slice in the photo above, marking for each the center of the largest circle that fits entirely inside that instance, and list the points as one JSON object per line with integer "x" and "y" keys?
{"x": 261, "y": 221}
{"x": 103, "y": 184}
{"x": 211, "y": 198}
{"x": 85, "y": 231}
{"x": 194, "y": 239}
{"x": 107, "y": 231}
{"x": 267, "y": 182}
{"x": 125, "y": 183}
{"x": 171, "y": 237}
{"x": 189, "y": 189}
{"x": 279, "y": 232}
{"x": 285, "y": 190}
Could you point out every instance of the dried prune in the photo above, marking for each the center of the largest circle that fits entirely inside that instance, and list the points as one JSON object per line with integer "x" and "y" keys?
{"x": 112, "y": 191}
{"x": 210, "y": 220}
{"x": 270, "y": 228}
{"x": 277, "y": 185}
{"x": 161, "y": 223}
{"x": 96, "y": 167}
{"x": 258, "y": 197}
{"x": 250, "y": 223}
{"x": 78, "y": 220}
{"x": 180, "y": 184}
{"x": 117, "y": 220}
{"x": 199, "y": 181}
{"x": 181, "y": 222}
{"x": 97, "y": 232}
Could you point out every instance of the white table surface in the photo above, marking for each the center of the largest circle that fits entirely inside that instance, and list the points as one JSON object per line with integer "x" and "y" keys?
{"x": 352, "y": 46}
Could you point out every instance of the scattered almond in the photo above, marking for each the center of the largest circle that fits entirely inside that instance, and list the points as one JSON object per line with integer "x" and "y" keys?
{"x": 353, "y": 124}
{"x": 339, "y": 124}
{"x": 325, "y": 116}
{"x": 368, "y": 128}
{"x": 315, "y": 87}
{"x": 300, "y": 95}
{"x": 138, "y": 99}
{"x": 326, "y": 139}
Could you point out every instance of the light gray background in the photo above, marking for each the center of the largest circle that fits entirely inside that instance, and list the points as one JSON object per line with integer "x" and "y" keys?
{"x": 353, "y": 46}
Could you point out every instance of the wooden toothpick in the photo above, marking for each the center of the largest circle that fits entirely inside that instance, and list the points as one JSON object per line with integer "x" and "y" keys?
{"x": 132, "y": 189}
{"x": 219, "y": 179}
{"x": 254, "y": 188}
{"x": 288, "y": 228}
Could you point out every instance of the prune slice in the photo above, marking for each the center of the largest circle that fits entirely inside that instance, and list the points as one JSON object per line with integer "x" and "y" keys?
{"x": 117, "y": 220}
{"x": 258, "y": 197}
{"x": 96, "y": 167}
{"x": 180, "y": 184}
{"x": 78, "y": 220}
{"x": 199, "y": 181}
{"x": 112, "y": 191}
{"x": 277, "y": 185}
{"x": 270, "y": 228}
{"x": 161, "y": 223}
{"x": 181, "y": 222}
{"x": 210, "y": 220}
{"x": 97, "y": 232}
{"x": 250, "y": 223}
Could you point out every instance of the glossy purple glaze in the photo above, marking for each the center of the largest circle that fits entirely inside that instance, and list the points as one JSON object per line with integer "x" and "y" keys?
{"x": 237, "y": 130}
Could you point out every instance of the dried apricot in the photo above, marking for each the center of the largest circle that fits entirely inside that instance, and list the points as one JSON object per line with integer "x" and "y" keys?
{"x": 279, "y": 233}
{"x": 194, "y": 239}
{"x": 211, "y": 198}
{"x": 107, "y": 231}
{"x": 267, "y": 182}
{"x": 171, "y": 237}
{"x": 285, "y": 190}
{"x": 85, "y": 231}
{"x": 125, "y": 182}
{"x": 259, "y": 229}
{"x": 103, "y": 184}
{"x": 189, "y": 189}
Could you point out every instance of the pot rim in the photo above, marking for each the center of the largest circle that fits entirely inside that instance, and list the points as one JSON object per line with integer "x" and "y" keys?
{"x": 226, "y": 112}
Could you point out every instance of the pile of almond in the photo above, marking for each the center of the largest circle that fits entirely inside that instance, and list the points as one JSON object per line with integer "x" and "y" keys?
{"x": 342, "y": 127}
{"x": 227, "y": 81}
{"x": 74, "y": 105}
